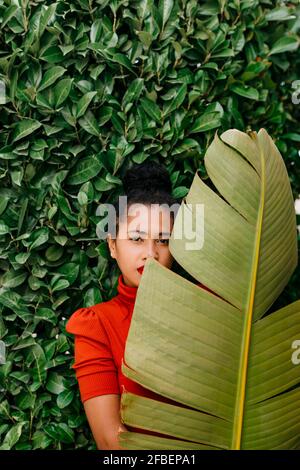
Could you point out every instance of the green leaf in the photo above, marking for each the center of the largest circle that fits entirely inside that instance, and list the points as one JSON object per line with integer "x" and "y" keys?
{"x": 97, "y": 71}
{"x": 65, "y": 207}
{"x": 90, "y": 124}
{"x": 4, "y": 228}
{"x": 117, "y": 122}
{"x": 245, "y": 91}
{"x": 54, "y": 253}
{"x": 241, "y": 383}
{"x": 152, "y": 109}
{"x": 4, "y": 409}
{"x": 279, "y": 14}
{"x": 291, "y": 136}
{"x": 113, "y": 179}
{"x": 25, "y": 400}
{"x": 21, "y": 376}
{"x": 179, "y": 192}
{"x": 8, "y": 14}
{"x": 123, "y": 61}
{"x": 206, "y": 122}
{"x": 145, "y": 37}
{"x": 40, "y": 440}
{"x": 66, "y": 49}
{"x": 65, "y": 398}
{"x": 24, "y": 128}
{"x": 143, "y": 9}
{"x": 21, "y": 258}
{"x": 92, "y": 296}
{"x": 13, "y": 278}
{"x": 51, "y": 76}
{"x": 52, "y": 211}
{"x": 139, "y": 157}
{"x": 95, "y": 32}
{"x": 3, "y": 205}
{"x": 285, "y": 44}
{"x": 39, "y": 144}
{"x": 55, "y": 383}
{"x": 103, "y": 185}
{"x": 104, "y": 115}
{"x": 85, "y": 169}
{"x": 46, "y": 16}
{"x": 11, "y": 300}
{"x": 37, "y": 360}
{"x": 39, "y": 237}
{"x": 177, "y": 101}
{"x": 38, "y": 271}
{"x": 46, "y": 314}
{"x": 62, "y": 90}
{"x": 185, "y": 146}
{"x": 42, "y": 101}
{"x": 84, "y": 102}
{"x": 165, "y": 7}
{"x": 35, "y": 283}
{"x": 82, "y": 198}
{"x": 52, "y": 55}
{"x": 61, "y": 239}
{"x": 137, "y": 441}
{"x": 12, "y": 436}
{"x": 60, "y": 284}
{"x": 253, "y": 70}
{"x": 69, "y": 271}
{"x": 133, "y": 92}
{"x": 60, "y": 432}
{"x": 24, "y": 343}
{"x": 226, "y": 52}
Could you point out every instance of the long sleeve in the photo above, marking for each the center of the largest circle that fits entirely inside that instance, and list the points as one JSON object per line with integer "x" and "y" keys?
{"x": 94, "y": 365}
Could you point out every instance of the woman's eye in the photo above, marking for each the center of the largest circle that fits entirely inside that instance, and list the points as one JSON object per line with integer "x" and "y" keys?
{"x": 165, "y": 241}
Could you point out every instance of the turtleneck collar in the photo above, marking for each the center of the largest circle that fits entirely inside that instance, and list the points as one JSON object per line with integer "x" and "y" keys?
{"x": 126, "y": 293}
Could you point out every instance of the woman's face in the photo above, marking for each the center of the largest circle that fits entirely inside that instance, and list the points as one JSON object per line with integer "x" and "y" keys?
{"x": 143, "y": 234}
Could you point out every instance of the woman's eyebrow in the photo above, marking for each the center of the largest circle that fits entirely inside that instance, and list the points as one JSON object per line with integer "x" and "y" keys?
{"x": 144, "y": 233}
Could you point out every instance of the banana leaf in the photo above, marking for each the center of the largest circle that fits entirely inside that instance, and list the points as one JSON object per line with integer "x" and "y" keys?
{"x": 221, "y": 355}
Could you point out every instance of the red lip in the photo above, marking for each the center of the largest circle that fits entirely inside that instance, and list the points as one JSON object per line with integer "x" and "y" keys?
{"x": 141, "y": 269}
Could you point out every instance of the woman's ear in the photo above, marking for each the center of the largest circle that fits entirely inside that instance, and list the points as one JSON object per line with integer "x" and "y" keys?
{"x": 111, "y": 245}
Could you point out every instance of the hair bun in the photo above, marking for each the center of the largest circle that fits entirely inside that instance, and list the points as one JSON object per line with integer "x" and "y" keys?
{"x": 148, "y": 176}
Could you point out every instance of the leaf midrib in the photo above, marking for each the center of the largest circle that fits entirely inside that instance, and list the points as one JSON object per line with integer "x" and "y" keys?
{"x": 245, "y": 345}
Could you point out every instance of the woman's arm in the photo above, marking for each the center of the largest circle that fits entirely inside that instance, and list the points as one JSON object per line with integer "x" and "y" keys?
{"x": 103, "y": 414}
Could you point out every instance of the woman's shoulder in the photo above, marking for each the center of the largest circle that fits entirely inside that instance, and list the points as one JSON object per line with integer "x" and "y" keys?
{"x": 89, "y": 321}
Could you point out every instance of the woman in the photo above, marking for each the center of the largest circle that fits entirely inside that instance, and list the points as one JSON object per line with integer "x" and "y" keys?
{"x": 101, "y": 330}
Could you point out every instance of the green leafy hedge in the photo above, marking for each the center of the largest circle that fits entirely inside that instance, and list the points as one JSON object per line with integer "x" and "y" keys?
{"x": 92, "y": 85}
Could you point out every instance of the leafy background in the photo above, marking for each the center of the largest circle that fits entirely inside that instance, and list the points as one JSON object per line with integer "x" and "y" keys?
{"x": 90, "y": 87}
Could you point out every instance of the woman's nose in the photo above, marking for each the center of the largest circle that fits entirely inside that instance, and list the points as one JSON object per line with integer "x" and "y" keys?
{"x": 151, "y": 249}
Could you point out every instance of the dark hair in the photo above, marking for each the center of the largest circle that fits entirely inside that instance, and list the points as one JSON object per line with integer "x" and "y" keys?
{"x": 146, "y": 183}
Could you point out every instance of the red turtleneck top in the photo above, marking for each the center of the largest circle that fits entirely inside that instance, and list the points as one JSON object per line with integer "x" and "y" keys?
{"x": 100, "y": 336}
